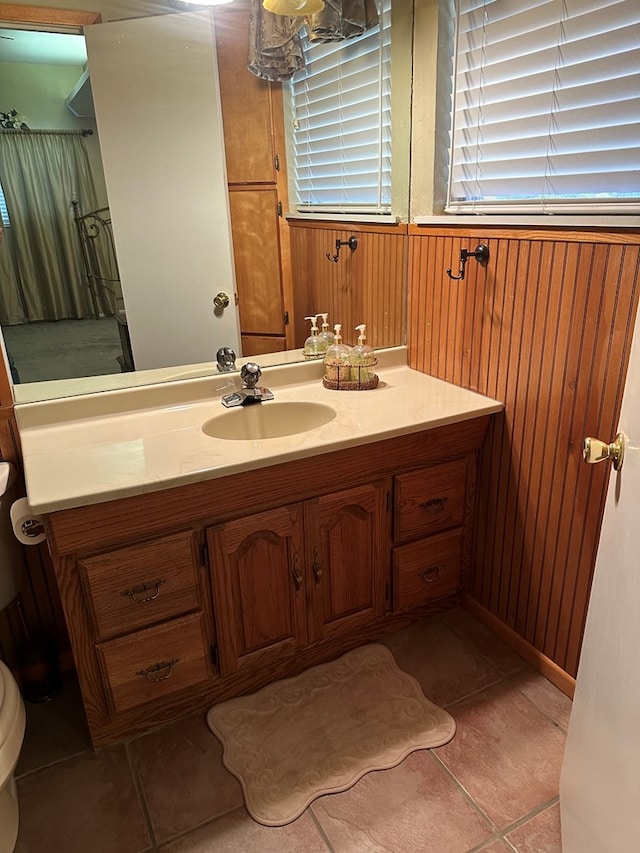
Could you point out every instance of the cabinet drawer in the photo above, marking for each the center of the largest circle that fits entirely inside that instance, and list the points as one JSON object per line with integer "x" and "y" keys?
{"x": 429, "y": 500}
{"x": 149, "y": 665}
{"x": 135, "y": 587}
{"x": 427, "y": 569}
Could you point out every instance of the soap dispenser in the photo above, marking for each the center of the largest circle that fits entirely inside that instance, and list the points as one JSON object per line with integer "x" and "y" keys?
{"x": 362, "y": 358}
{"x": 313, "y": 346}
{"x": 336, "y": 358}
{"x": 326, "y": 334}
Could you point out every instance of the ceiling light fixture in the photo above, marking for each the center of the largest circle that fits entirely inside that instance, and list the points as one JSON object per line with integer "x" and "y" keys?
{"x": 203, "y": 2}
{"x": 293, "y": 7}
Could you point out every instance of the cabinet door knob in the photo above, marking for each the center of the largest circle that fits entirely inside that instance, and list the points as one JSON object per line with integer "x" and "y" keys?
{"x": 595, "y": 450}
{"x": 317, "y": 568}
{"x": 296, "y": 572}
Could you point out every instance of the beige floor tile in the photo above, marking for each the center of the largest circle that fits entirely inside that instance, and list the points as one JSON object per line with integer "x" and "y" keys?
{"x": 412, "y": 807}
{"x": 446, "y": 666}
{"x": 55, "y": 729}
{"x": 184, "y": 781}
{"x": 544, "y": 695}
{"x": 505, "y": 753}
{"x": 499, "y": 654}
{"x": 541, "y": 834}
{"x": 239, "y": 833}
{"x": 87, "y": 803}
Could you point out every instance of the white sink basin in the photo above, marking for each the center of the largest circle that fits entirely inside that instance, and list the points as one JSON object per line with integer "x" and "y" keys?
{"x": 268, "y": 420}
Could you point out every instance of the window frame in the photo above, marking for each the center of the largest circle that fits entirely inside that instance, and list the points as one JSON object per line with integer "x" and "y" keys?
{"x": 340, "y": 211}
{"x": 534, "y": 208}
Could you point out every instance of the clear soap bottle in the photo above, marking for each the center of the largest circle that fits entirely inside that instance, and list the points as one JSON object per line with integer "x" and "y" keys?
{"x": 326, "y": 334}
{"x": 313, "y": 346}
{"x": 363, "y": 358}
{"x": 336, "y": 359}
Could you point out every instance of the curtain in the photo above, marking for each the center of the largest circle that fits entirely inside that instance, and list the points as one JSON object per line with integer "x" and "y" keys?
{"x": 41, "y": 270}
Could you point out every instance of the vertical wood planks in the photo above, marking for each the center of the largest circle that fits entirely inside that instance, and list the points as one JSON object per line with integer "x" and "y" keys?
{"x": 545, "y": 328}
{"x": 364, "y": 286}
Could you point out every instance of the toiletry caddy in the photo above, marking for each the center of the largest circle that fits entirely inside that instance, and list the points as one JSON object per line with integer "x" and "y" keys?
{"x": 350, "y": 368}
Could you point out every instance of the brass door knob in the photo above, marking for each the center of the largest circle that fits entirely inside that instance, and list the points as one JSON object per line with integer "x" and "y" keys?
{"x": 595, "y": 450}
{"x": 221, "y": 300}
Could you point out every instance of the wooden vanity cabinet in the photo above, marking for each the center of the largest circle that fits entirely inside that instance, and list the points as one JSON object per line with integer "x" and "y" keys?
{"x": 298, "y": 574}
{"x": 184, "y": 597}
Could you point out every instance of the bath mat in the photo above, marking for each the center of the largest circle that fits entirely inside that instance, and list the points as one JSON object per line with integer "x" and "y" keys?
{"x": 320, "y": 732}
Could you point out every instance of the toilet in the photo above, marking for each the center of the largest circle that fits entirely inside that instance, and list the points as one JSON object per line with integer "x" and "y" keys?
{"x": 12, "y": 713}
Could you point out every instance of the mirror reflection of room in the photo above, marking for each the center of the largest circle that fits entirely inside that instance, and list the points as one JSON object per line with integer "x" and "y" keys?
{"x": 56, "y": 322}
{"x": 85, "y": 295}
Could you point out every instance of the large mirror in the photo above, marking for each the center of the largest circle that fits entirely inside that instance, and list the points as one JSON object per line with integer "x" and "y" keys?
{"x": 54, "y": 355}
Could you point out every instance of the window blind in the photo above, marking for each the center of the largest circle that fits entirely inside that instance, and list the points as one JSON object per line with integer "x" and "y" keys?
{"x": 546, "y": 114}
{"x": 341, "y": 106}
{"x": 4, "y": 213}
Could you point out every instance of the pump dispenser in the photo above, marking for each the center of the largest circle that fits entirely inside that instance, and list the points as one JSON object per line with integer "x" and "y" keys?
{"x": 362, "y": 358}
{"x": 326, "y": 334}
{"x": 336, "y": 358}
{"x": 313, "y": 346}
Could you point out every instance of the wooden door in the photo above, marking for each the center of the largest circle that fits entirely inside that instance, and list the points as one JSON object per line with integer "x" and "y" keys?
{"x": 256, "y": 174}
{"x": 347, "y": 538}
{"x": 258, "y": 586}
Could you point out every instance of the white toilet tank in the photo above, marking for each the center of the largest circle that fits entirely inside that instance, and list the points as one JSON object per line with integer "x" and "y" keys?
{"x": 11, "y": 551}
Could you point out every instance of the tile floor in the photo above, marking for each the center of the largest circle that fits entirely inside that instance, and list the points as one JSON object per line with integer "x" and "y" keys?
{"x": 493, "y": 788}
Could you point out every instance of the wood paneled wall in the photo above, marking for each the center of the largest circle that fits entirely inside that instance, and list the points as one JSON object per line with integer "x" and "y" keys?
{"x": 364, "y": 286}
{"x": 546, "y": 328}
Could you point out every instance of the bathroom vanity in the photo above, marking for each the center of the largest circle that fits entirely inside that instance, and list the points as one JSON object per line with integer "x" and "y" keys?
{"x": 195, "y": 569}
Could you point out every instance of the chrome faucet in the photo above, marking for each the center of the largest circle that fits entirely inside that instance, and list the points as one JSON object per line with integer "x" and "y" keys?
{"x": 226, "y": 359}
{"x": 250, "y": 392}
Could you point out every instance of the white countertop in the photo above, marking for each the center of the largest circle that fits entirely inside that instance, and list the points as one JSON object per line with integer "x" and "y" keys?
{"x": 99, "y": 447}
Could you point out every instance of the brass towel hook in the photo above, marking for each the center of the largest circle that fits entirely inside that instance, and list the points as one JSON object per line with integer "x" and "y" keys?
{"x": 352, "y": 243}
{"x": 481, "y": 254}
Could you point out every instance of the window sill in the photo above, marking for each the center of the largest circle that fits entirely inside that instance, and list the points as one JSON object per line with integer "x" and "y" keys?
{"x": 375, "y": 218}
{"x": 549, "y": 221}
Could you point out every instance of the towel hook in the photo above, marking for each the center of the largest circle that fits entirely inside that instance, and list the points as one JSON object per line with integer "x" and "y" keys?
{"x": 352, "y": 243}
{"x": 480, "y": 253}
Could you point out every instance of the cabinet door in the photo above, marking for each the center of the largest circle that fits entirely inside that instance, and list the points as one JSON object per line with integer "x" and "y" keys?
{"x": 347, "y": 548}
{"x": 246, "y": 103}
{"x": 254, "y": 220}
{"x": 258, "y": 588}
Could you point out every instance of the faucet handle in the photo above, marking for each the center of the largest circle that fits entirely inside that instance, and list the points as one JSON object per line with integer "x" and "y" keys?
{"x": 250, "y": 374}
{"x": 226, "y": 359}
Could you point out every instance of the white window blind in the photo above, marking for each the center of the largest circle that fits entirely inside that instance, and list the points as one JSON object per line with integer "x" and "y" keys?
{"x": 546, "y": 114}
{"x": 342, "y": 123}
{"x": 4, "y": 213}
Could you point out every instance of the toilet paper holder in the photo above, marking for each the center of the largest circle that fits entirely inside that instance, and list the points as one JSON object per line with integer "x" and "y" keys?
{"x": 28, "y": 527}
{"x": 32, "y": 527}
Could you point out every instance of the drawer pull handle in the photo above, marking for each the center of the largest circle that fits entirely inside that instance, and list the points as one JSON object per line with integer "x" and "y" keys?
{"x": 317, "y": 568}
{"x": 434, "y": 506}
{"x": 135, "y": 591}
{"x": 296, "y": 572}
{"x": 432, "y": 574}
{"x": 158, "y": 671}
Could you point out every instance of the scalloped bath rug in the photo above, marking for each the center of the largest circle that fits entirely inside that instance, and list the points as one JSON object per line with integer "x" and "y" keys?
{"x": 322, "y": 731}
